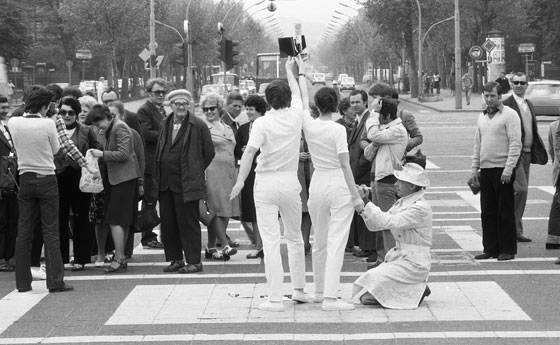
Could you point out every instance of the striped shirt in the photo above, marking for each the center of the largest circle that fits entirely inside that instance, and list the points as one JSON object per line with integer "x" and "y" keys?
{"x": 67, "y": 146}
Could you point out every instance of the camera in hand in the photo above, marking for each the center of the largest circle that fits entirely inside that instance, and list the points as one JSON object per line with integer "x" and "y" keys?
{"x": 291, "y": 46}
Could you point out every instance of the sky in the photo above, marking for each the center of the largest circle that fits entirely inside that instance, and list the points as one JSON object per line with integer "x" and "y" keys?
{"x": 313, "y": 15}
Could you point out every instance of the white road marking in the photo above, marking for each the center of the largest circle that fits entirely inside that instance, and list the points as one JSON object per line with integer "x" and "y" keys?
{"x": 470, "y": 198}
{"x": 430, "y": 165}
{"x": 548, "y": 189}
{"x": 15, "y": 304}
{"x": 465, "y": 236}
{"x": 236, "y": 303}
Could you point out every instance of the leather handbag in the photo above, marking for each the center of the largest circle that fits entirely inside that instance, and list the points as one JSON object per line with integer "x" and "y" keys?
{"x": 205, "y": 215}
{"x": 148, "y": 219}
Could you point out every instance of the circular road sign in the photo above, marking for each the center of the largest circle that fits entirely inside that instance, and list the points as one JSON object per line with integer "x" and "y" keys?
{"x": 476, "y": 52}
{"x": 69, "y": 63}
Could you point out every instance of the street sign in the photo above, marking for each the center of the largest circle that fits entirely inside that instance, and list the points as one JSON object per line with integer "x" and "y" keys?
{"x": 526, "y": 48}
{"x": 84, "y": 54}
{"x": 144, "y": 55}
{"x": 475, "y": 52}
{"x": 69, "y": 63}
{"x": 14, "y": 62}
{"x": 488, "y": 45}
{"x": 159, "y": 60}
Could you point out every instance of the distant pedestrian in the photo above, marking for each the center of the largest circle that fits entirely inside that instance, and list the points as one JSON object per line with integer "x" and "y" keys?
{"x": 452, "y": 83}
{"x": 437, "y": 82}
{"x": 467, "y": 83}
{"x": 553, "y": 238}
{"x": 10, "y": 91}
{"x": 497, "y": 148}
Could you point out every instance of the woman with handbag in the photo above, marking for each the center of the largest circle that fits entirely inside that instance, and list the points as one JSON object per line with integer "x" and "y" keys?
{"x": 220, "y": 177}
{"x": 68, "y": 174}
{"x": 121, "y": 173}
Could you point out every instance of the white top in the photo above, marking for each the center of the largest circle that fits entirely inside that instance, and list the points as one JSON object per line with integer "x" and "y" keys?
{"x": 392, "y": 139}
{"x": 326, "y": 140}
{"x": 278, "y": 136}
{"x": 527, "y": 122}
{"x": 36, "y": 142}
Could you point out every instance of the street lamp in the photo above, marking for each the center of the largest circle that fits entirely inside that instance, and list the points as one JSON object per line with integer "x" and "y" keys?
{"x": 188, "y": 81}
{"x": 419, "y": 49}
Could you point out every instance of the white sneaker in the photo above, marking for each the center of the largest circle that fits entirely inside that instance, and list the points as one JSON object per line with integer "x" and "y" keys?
{"x": 337, "y": 305}
{"x": 39, "y": 273}
{"x": 272, "y": 306}
{"x": 299, "y": 297}
{"x": 317, "y": 298}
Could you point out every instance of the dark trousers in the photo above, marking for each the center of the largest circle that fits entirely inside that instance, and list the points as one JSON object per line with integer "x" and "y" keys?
{"x": 180, "y": 229}
{"x": 38, "y": 201}
{"x": 37, "y": 245}
{"x": 497, "y": 213}
{"x": 8, "y": 225}
{"x": 70, "y": 196}
{"x": 149, "y": 201}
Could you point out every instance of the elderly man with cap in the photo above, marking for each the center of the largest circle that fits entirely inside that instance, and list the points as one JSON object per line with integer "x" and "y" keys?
{"x": 400, "y": 281}
{"x": 184, "y": 150}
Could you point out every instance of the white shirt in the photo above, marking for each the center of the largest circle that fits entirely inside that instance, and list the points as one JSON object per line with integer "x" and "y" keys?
{"x": 527, "y": 122}
{"x": 278, "y": 136}
{"x": 326, "y": 140}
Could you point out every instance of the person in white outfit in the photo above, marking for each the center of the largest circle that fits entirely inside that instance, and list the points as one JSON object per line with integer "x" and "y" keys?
{"x": 332, "y": 197}
{"x": 277, "y": 135}
{"x": 400, "y": 281}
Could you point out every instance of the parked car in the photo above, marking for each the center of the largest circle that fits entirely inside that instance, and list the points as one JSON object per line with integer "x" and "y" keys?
{"x": 545, "y": 96}
{"x": 218, "y": 88}
{"x": 340, "y": 77}
{"x": 318, "y": 78}
{"x": 262, "y": 87}
{"x": 347, "y": 83}
{"x": 88, "y": 86}
{"x": 329, "y": 76}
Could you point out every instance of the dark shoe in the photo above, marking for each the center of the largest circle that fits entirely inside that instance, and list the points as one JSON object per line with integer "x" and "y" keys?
{"x": 256, "y": 255}
{"x": 361, "y": 253}
{"x": 427, "y": 292}
{"x": 174, "y": 266}
{"x": 25, "y": 289}
{"x": 504, "y": 257}
{"x": 307, "y": 250}
{"x": 557, "y": 261}
{"x": 63, "y": 288}
{"x": 78, "y": 267}
{"x": 154, "y": 244}
{"x": 550, "y": 246}
{"x": 122, "y": 267}
{"x": 215, "y": 254}
{"x": 191, "y": 268}
{"x": 374, "y": 265}
{"x": 485, "y": 256}
{"x": 229, "y": 251}
{"x": 6, "y": 268}
{"x": 368, "y": 299}
{"x": 524, "y": 239}
{"x": 372, "y": 257}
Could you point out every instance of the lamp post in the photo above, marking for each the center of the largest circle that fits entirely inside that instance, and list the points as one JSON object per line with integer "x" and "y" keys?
{"x": 419, "y": 49}
{"x": 153, "y": 44}
{"x": 458, "y": 94}
{"x": 188, "y": 81}
{"x": 185, "y": 71}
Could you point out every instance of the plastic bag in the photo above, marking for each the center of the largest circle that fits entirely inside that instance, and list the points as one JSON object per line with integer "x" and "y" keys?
{"x": 88, "y": 182}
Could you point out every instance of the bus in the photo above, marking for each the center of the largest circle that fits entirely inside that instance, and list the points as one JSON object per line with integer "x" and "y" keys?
{"x": 231, "y": 79}
{"x": 270, "y": 67}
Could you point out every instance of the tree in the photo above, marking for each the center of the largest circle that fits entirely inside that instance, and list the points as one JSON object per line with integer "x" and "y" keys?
{"x": 543, "y": 19}
{"x": 14, "y": 36}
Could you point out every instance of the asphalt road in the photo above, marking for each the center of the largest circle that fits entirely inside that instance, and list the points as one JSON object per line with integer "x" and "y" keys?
{"x": 472, "y": 302}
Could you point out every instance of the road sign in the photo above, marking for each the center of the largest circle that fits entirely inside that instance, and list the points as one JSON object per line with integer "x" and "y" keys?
{"x": 488, "y": 45}
{"x": 84, "y": 54}
{"x": 159, "y": 60}
{"x": 476, "y": 52}
{"x": 14, "y": 62}
{"x": 526, "y": 48}
{"x": 144, "y": 55}
{"x": 69, "y": 63}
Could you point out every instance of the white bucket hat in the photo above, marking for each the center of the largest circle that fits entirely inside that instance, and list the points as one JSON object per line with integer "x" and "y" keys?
{"x": 413, "y": 173}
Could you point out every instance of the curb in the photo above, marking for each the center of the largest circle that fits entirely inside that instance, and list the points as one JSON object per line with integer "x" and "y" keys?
{"x": 440, "y": 110}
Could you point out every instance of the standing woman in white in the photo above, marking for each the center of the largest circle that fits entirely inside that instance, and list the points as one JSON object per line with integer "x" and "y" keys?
{"x": 333, "y": 196}
{"x": 277, "y": 135}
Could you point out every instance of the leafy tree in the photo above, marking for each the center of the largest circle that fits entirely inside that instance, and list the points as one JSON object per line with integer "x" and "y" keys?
{"x": 15, "y": 39}
{"x": 543, "y": 19}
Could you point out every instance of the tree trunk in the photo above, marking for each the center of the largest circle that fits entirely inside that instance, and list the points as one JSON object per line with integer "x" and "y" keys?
{"x": 126, "y": 73}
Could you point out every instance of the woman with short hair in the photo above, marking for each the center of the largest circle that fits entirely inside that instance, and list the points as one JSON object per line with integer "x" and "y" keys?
{"x": 86, "y": 102}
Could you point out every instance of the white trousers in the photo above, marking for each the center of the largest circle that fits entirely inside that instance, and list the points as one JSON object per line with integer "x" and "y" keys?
{"x": 331, "y": 213}
{"x": 279, "y": 192}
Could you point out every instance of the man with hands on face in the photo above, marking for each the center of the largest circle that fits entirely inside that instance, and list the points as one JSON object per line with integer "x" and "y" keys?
{"x": 496, "y": 150}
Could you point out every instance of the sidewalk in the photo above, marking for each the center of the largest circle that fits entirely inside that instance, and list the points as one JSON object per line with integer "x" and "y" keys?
{"x": 448, "y": 103}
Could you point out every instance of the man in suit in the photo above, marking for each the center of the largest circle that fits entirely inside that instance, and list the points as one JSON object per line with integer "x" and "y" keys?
{"x": 129, "y": 117}
{"x": 234, "y": 104}
{"x": 150, "y": 115}
{"x": 533, "y": 148}
{"x": 361, "y": 169}
{"x": 8, "y": 199}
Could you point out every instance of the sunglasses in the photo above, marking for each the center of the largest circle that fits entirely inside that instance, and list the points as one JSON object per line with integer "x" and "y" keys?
{"x": 64, "y": 112}
{"x": 107, "y": 101}
{"x": 181, "y": 105}
{"x": 159, "y": 92}
{"x": 205, "y": 109}
{"x": 519, "y": 82}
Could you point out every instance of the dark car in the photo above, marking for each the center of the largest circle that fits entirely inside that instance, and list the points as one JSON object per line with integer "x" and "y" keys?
{"x": 545, "y": 96}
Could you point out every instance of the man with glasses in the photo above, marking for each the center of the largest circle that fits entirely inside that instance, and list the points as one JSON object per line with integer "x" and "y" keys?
{"x": 184, "y": 149}
{"x": 130, "y": 118}
{"x": 533, "y": 148}
{"x": 151, "y": 114}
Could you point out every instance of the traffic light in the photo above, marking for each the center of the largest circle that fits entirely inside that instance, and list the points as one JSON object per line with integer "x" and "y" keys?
{"x": 153, "y": 61}
{"x": 180, "y": 54}
{"x": 231, "y": 54}
{"x": 222, "y": 49}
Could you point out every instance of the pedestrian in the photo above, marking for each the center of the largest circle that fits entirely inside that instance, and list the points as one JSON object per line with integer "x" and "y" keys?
{"x": 184, "y": 150}
{"x": 305, "y": 171}
{"x": 497, "y": 148}
{"x": 452, "y": 83}
{"x": 336, "y": 89}
{"x": 130, "y": 118}
{"x": 553, "y": 238}
{"x": 278, "y": 136}
{"x": 10, "y": 91}
{"x": 220, "y": 177}
{"x": 151, "y": 114}
{"x": 533, "y": 150}
{"x": 86, "y": 102}
{"x": 121, "y": 171}
{"x": 504, "y": 82}
{"x": 256, "y": 107}
{"x": 72, "y": 91}
{"x": 333, "y": 198}
{"x": 36, "y": 142}
{"x": 68, "y": 174}
{"x": 9, "y": 210}
{"x": 400, "y": 282}
{"x": 100, "y": 88}
{"x": 437, "y": 82}
{"x": 348, "y": 118}
{"x": 466, "y": 83}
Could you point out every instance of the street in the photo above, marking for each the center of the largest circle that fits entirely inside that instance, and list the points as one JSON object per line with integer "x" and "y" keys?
{"x": 472, "y": 302}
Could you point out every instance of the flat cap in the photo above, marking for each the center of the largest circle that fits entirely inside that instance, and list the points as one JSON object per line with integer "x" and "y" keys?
{"x": 179, "y": 94}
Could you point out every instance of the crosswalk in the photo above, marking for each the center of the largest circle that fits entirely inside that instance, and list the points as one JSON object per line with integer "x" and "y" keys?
{"x": 219, "y": 304}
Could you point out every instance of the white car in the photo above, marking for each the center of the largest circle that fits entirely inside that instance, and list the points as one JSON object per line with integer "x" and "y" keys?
{"x": 347, "y": 83}
{"x": 319, "y": 78}
{"x": 340, "y": 77}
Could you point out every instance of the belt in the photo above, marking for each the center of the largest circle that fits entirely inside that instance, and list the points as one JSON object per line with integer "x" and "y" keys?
{"x": 32, "y": 174}
{"x": 412, "y": 248}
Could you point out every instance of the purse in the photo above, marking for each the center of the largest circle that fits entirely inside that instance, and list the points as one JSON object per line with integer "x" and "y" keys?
{"x": 205, "y": 215}
{"x": 8, "y": 175}
{"x": 148, "y": 219}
